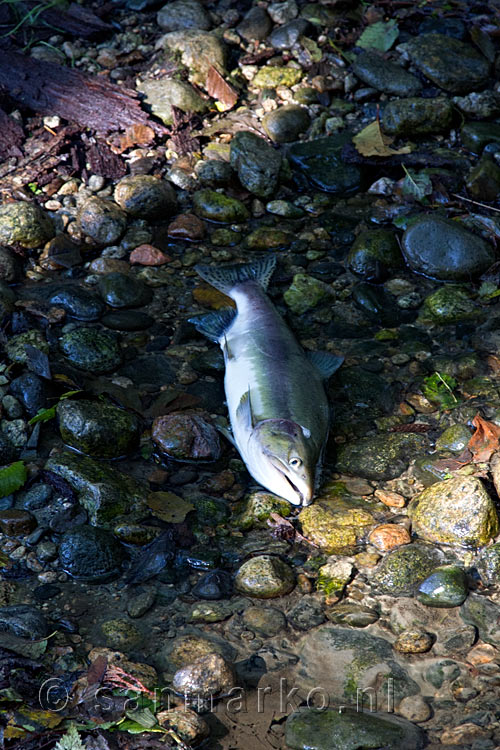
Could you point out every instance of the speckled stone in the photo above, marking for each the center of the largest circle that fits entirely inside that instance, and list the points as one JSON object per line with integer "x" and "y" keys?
{"x": 146, "y": 197}
{"x": 24, "y": 224}
{"x": 209, "y": 676}
{"x": 97, "y": 429}
{"x": 413, "y": 642}
{"x": 102, "y": 220}
{"x": 264, "y": 577}
{"x": 91, "y": 349}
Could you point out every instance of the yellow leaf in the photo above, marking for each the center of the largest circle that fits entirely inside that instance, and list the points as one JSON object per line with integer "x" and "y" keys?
{"x": 372, "y": 142}
{"x": 169, "y": 507}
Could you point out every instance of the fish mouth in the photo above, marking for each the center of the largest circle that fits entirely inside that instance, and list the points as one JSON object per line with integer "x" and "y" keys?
{"x": 303, "y": 500}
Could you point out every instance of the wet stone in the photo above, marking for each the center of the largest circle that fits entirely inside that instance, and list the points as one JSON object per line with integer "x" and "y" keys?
{"x": 255, "y": 25}
{"x": 449, "y": 305}
{"x": 457, "y": 511}
{"x": 381, "y": 456}
{"x": 14, "y": 522}
{"x": 445, "y": 587}
{"x": 270, "y": 77}
{"x": 209, "y": 676}
{"x": 97, "y": 429}
{"x": 102, "y": 220}
{"x": 286, "y": 123}
{"x": 153, "y": 368}
{"x": 91, "y": 349}
{"x": 484, "y": 614}
{"x": 36, "y": 497}
{"x": 454, "y": 438}
{"x": 264, "y": 577}
{"x": 16, "y": 345}
{"x": 218, "y": 207}
{"x": 483, "y": 181}
{"x": 451, "y": 64}
{"x": 186, "y": 437}
{"x": 284, "y": 208}
{"x": 9, "y": 265}
{"x": 413, "y": 642}
{"x": 415, "y": 709}
{"x": 320, "y": 161}
{"x": 23, "y": 621}
{"x": 78, "y": 303}
{"x": 416, "y": 117}
{"x": 442, "y": 249}
{"x": 308, "y": 613}
{"x": 257, "y": 163}
{"x": 488, "y": 564}
{"x": 187, "y": 227}
{"x": 285, "y": 36}
{"x": 127, "y": 320}
{"x": 8, "y": 451}
{"x": 213, "y": 172}
{"x": 479, "y": 105}
{"x": 216, "y": 584}
{"x": 374, "y": 254}
{"x": 354, "y": 615}
{"x": 476, "y": 135}
{"x": 90, "y": 554}
{"x": 403, "y": 569}
{"x": 24, "y": 224}
{"x": 199, "y": 50}
{"x": 145, "y": 197}
{"x": 183, "y": 14}
{"x": 304, "y": 293}
{"x": 384, "y": 75}
{"x": 121, "y": 634}
{"x": 141, "y": 602}
{"x": 264, "y": 621}
{"x": 121, "y": 290}
{"x": 337, "y": 527}
{"x": 257, "y": 508}
{"x": 388, "y": 535}
{"x": 266, "y": 238}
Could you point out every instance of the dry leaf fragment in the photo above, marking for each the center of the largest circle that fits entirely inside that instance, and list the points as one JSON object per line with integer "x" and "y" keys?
{"x": 135, "y": 135}
{"x": 219, "y": 89}
{"x": 372, "y": 142}
{"x": 169, "y": 507}
{"x": 485, "y": 441}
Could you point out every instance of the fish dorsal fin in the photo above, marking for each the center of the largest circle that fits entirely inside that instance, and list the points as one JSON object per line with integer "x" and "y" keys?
{"x": 244, "y": 411}
{"x": 325, "y": 363}
{"x": 225, "y": 278}
{"x": 214, "y": 325}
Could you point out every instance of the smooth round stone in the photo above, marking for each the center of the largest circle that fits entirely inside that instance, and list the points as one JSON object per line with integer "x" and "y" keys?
{"x": 15, "y": 522}
{"x": 384, "y": 75}
{"x": 271, "y": 77}
{"x": 209, "y": 676}
{"x": 308, "y": 613}
{"x": 214, "y": 172}
{"x": 120, "y": 290}
{"x": 285, "y": 36}
{"x": 285, "y": 208}
{"x": 97, "y": 429}
{"x": 186, "y": 437}
{"x": 321, "y": 162}
{"x": 183, "y": 14}
{"x": 145, "y": 196}
{"x": 476, "y": 135}
{"x": 414, "y": 708}
{"x": 416, "y": 116}
{"x": 387, "y": 536}
{"x": 374, "y": 253}
{"x": 102, "y": 220}
{"x": 442, "y": 249}
{"x": 355, "y": 615}
{"x": 445, "y": 587}
{"x": 488, "y": 564}
{"x": 403, "y": 569}
{"x": 455, "y": 438}
{"x": 91, "y": 349}
{"x": 121, "y": 634}
{"x": 286, "y": 123}
{"x": 131, "y": 533}
{"x": 141, "y": 602}
{"x": 10, "y": 267}
{"x": 23, "y": 621}
{"x": 219, "y": 207}
{"x": 264, "y": 621}
{"x": 255, "y": 25}
{"x": 90, "y": 554}
{"x": 30, "y": 391}
{"x": 451, "y": 64}
{"x": 413, "y": 642}
{"x": 24, "y": 224}
{"x": 264, "y": 577}
{"x": 216, "y": 584}
{"x": 127, "y": 320}
{"x": 78, "y": 303}
{"x": 449, "y": 305}
{"x": 36, "y": 497}
{"x": 199, "y": 51}
{"x": 187, "y": 227}
{"x": 257, "y": 163}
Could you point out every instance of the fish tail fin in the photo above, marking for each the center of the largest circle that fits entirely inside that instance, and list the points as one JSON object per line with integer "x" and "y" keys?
{"x": 214, "y": 325}
{"x": 225, "y": 278}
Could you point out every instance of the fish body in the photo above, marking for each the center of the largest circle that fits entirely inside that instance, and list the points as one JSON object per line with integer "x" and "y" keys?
{"x": 276, "y": 399}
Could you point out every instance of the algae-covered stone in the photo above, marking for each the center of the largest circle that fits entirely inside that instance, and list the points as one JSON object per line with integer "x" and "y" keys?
{"x": 305, "y": 292}
{"x": 257, "y": 163}
{"x": 488, "y": 564}
{"x": 16, "y": 345}
{"x": 381, "y": 456}
{"x": 270, "y": 77}
{"x": 316, "y": 729}
{"x": 443, "y": 249}
{"x": 258, "y": 507}
{"x": 402, "y": 569}
{"x": 219, "y": 207}
{"x": 321, "y": 162}
{"x": 266, "y": 238}
{"x": 457, "y": 511}
{"x": 90, "y": 554}
{"x": 416, "y": 116}
{"x": 264, "y": 577}
{"x": 445, "y": 587}
{"x": 386, "y": 76}
{"x": 476, "y": 135}
{"x": 333, "y": 577}
{"x": 24, "y": 224}
{"x": 449, "y": 305}
{"x": 286, "y": 123}
{"x": 145, "y": 196}
{"x": 264, "y": 621}
{"x": 121, "y": 634}
{"x": 163, "y": 94}
{"x": 199, "y": 51}
{"x": 97, "y": 429}
{"x": 374, "y": 253}
{"x": 483, "y": 181}
{"x": 103, "y": 491}
{"x": 336, "y": 525}
{"x": 451, "y": 64}
{"x": 454, "y": 438}
{"x": 120, "y": 290}
{"x": 482, "y": 613}
{"x": 102, "y": 220}
{"x": 91, "y": 349}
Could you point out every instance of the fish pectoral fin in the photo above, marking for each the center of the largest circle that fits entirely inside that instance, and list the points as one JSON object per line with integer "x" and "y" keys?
{"x": 325, "y": 363}
{"x": 222, "y": 427}
{"x": 227, "y": 351}
{"x": 214, "y": 325}
{"x": 244, "y": 411}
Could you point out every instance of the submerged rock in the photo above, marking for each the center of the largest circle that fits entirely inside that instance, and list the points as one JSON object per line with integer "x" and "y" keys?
{"x": 488, "y": 564}
{"x": 445, "y": 587}
{"x": 415, "y": 116}
{"x": 257, "y": 163}
{"x": 451, "y": 64}
{"x": 335, "y": 525}
{"x": 264, "y": 577}
{"x": 449, "y": 305}
{"x": 374, "y": 253}
{"x": 91, "y": 349}
{"x": 404, "y": 568}
{"x": 120, "y": 290}
{"x": 199, "y": 51}
{"x": 207, "y": 677}
{"x": 186, "y": 437}
{"x": 23, "y": 621}
{"x": 24, "y": 224}
{"x": 305, "y": 292}
{"x": 145, "y": 196}
{"x": 380, "y": 456}
{"x": 90, "y": 554}
{"x": 183, "y": 14}
{"x": 102, "y": 220}
{"x": 286, "y": 123}
{"x": 219, "y": 207}
{"x": 384, "y": 75}
{"x": 321, "y": 162}
{"x": 97, "y": 429}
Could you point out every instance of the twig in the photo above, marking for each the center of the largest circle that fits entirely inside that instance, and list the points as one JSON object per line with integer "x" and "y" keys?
{"x": 476, "y": 203}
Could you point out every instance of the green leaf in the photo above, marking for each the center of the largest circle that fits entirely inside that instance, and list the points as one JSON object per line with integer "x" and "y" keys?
{"x": 44, "y": 415}
{"x": 416, "y": 184}
{"x": 313, "y": 49}
{"x": 135, "y": 728}
{"x": 379, "y": 35}
{"x": 438, "y": 388}
{"x": 143, "y": 716}
{"x": 12, "y": 478}
{"x": 71, "y": 740}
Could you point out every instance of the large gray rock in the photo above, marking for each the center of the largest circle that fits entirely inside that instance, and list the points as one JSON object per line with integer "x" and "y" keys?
{"x": 384, "y": 75}
{"x": 451, "y": 64}
{"x": 257, "y": 163}
{"x": 417, "y": 116}
{"x": 183, "y": 14}
{"x": 163, "y": 94}
{"x": 484, "y": 614}
{"x": 442, "y": 249}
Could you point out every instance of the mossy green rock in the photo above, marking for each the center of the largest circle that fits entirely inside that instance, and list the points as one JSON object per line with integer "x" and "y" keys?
{"x": 285, "y": 124}
{"x": 315, "y": 729}
{"x": 454, "y": 438}
{"x": 452, "y": 65}
{"x": 374, "y": 253}
{"x": 146, "y": 197}
{"x": 91, "y": 349}
{"x": 457, "y": 511}
{"x": 488, "y": 565}
{"x": 90, "y": 554}
{"x": 97, "y": 429}
{"x": 270, "y": 77}
{"x": 16, "y": 345}
{"x": 163, "y": 94}
{"x": 416, "y": 116}
{"x": 264, "y": 577}
{"x": 336, "y": 525}
{"x": 305, "y": 292}
{"x": 257, "y": 508}
{"x": 381, "y": 456}
{"x": 24, "y": 224}
{"x": 121, "y": 634}
{"x": 484, "y": 614}
{"x": 386, "y": 76}
{"x": 257, "y": 163}
{"x": 219, "y": 207}
{"x": 483, "y": 181}
{"x": 476, "y": 135}
{"x": 404, "y": 568}
{"x": 102, "y": 490}
{"x": 199, "y": 51}
{"x": 449, "y": 305}
{"x": 445, "y": 587}
{"x": 265, "y": 238}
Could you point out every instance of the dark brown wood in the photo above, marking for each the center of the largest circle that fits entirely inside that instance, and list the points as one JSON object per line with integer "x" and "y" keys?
{"x": 51, "y": 89}
{"x": 11, "y": 136}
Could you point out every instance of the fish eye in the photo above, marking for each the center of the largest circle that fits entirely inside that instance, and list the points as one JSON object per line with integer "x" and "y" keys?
{"x": 295, "y": 462}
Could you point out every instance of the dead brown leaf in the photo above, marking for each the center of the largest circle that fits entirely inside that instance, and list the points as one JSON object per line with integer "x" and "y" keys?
{"x": 485, "y": 441}
{"x": 372, "y": 142}
{"x": 219, "y": 89}
{"x": 135, "y": 135}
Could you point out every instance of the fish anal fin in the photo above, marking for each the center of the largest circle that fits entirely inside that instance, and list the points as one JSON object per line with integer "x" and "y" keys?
{"x": 325, "y": 363}
{"x": 244, "y": 411}
{"x": 214, "y": 325}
